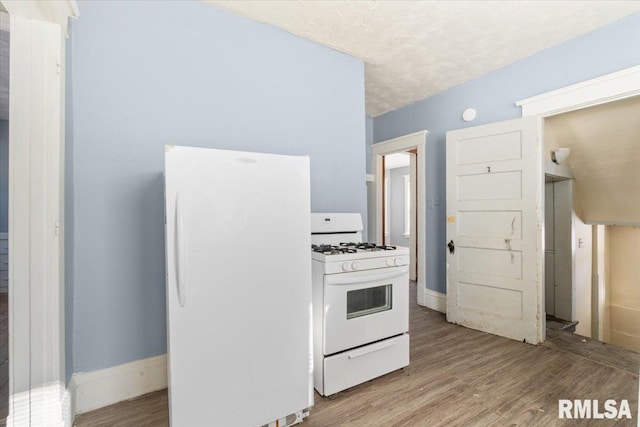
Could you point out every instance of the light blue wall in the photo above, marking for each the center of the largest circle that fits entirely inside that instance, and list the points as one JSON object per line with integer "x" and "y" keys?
{"x": 4, "y": 176}
{"x": 369, "y": 141}
{"x": 396, "y": 206}
{"x": 599, "y": 52}
{"x": 146, "y": 74}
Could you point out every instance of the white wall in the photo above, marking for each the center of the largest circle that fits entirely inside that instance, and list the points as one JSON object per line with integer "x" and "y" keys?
{"x": 582, "y": 271}
{"x": 623, "y": 286}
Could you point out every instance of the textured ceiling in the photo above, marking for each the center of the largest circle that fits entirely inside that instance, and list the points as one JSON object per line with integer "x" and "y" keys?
{"x": 415, "y": 49}
{"x": 604, "y": 159}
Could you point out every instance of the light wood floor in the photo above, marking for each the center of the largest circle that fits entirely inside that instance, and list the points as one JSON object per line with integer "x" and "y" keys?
{"x": 457, "y": 376}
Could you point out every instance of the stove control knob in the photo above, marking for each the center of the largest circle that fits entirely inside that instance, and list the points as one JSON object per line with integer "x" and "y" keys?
{"x": 397, "y": 261}
{"x": 346, "y": 266}
{"x": 390, "y": 262}
{"x": 354, "y": 265}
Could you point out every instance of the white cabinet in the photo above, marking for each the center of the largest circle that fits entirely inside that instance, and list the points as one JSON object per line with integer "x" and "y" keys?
{"x": 4, "y": 262}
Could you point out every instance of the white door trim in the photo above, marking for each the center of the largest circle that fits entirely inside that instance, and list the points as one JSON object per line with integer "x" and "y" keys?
{"x": 413, "y": 217}
{"x": 37, "y": 389}
{"x": 610, "y": 87}
{"x": 415, "y": 140}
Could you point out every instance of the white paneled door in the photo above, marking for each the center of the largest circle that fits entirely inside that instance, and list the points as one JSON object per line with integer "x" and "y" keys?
{"x": 494, "y": 247}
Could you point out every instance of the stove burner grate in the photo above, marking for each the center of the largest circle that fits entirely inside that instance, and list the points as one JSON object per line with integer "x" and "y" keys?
{"x": 333, "y": 250}
{"x": 373, "y": 247}
{"x": 350, "y": 248}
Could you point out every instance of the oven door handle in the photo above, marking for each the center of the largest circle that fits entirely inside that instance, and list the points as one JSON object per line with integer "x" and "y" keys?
{"x": 337, "y": 280}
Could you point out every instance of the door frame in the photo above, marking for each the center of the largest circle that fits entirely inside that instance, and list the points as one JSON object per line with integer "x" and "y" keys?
{"x": 610, "y": 87}
{"x": 37, "y": 377}
{"x": 417, "y": 141}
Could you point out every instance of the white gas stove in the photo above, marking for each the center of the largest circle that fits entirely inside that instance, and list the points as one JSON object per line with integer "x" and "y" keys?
{"x": 346, "y": 257}
{"x": 360, "y": 304}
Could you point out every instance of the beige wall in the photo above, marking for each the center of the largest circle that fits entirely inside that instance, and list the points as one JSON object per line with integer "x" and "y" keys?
{"x": 623, "y": 286}
{"x": 582, "y": 273}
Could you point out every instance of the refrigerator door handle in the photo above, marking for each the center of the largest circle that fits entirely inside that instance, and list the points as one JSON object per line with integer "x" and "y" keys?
{"x": 181, "y": 273}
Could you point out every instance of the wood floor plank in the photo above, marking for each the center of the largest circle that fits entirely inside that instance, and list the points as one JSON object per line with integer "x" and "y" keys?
{"x": 615, "y": 357}
{"x": 457, "y": 377}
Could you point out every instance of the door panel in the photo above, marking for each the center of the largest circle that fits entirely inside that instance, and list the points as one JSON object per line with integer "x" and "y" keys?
{"x": 493, "y": 262}
{"x": 490, "y": 223}
{"x": 484, "y": 185}
{"x": 494, "y": 208}
{"x": 490, "y": 148}
{"x": 504, "y": 303}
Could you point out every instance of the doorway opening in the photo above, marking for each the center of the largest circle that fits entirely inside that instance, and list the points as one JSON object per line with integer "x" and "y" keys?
{"x": 400, "y": 214}
{"x": 399, "y": 204}
{"x": 604, "y": 163}
{"x": 558, "y": 261}
{"x": 591, "y": 278}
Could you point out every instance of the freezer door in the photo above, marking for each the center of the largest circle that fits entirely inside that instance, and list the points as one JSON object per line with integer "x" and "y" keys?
{"x": 238, "y": 286}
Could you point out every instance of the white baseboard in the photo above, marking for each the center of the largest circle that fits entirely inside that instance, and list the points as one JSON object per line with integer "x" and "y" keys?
{"x": 432, "y": 299}
{"x": 104, "y": 387}
{"x": 41, "y": 406}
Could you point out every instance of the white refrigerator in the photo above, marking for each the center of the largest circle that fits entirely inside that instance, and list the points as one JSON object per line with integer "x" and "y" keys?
{"x": 238, "y": 283}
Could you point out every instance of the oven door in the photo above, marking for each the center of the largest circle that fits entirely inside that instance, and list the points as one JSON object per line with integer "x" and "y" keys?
{"x": 364, "y": 306}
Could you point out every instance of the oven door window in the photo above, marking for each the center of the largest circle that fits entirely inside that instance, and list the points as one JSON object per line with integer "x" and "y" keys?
{"x": 363, "y": 302}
